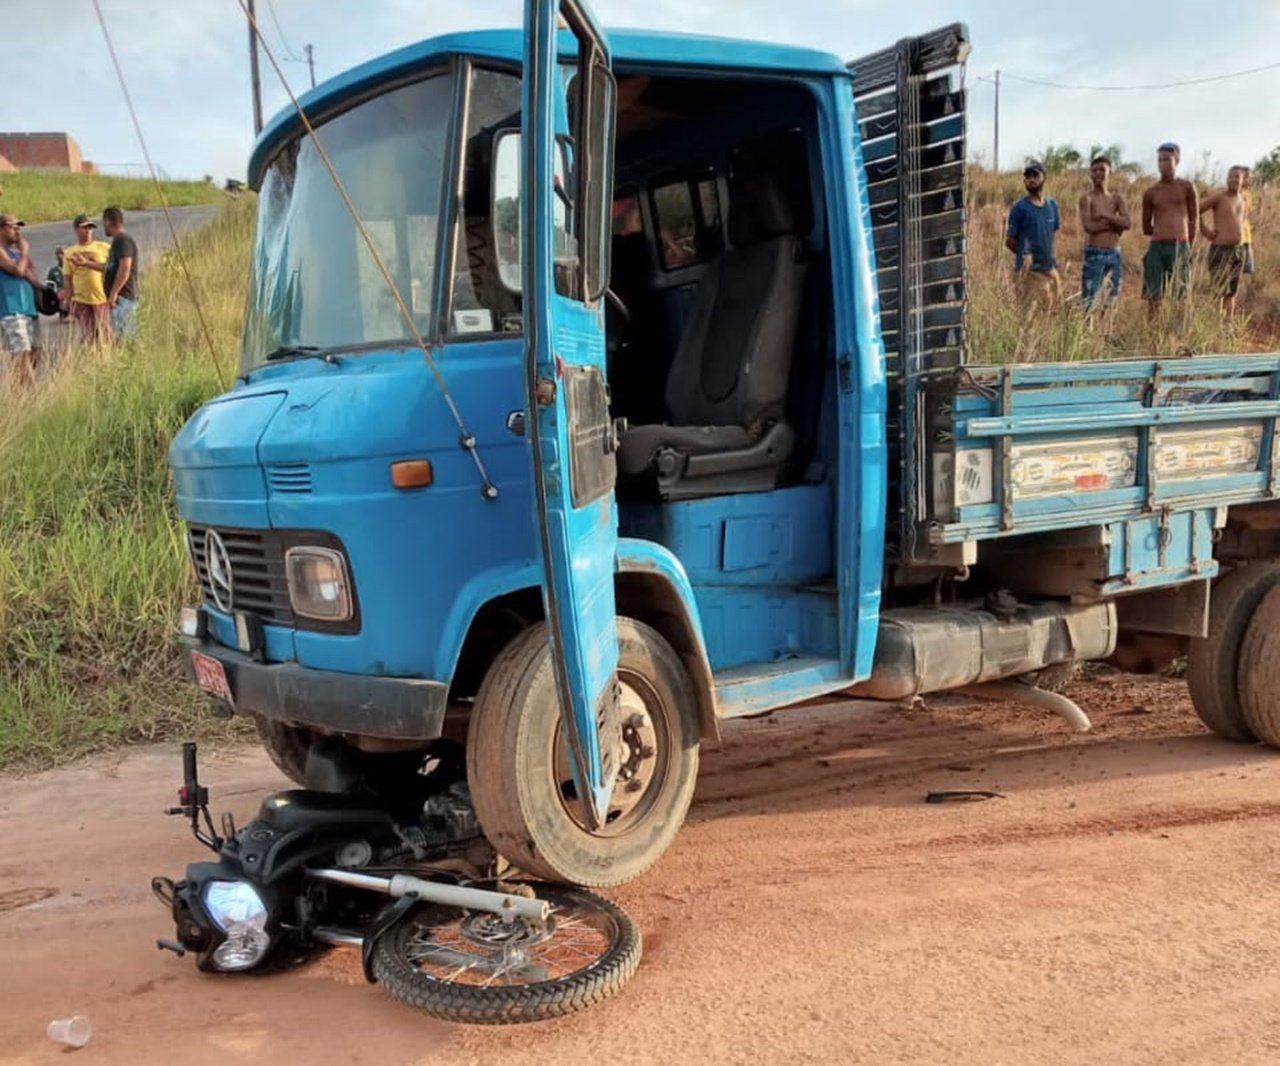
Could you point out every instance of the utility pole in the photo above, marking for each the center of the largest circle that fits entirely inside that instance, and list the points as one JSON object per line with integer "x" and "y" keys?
{"x": 995, "y": 147}
{"x": 253, "y": 69}
{"x": 311, "y": 62}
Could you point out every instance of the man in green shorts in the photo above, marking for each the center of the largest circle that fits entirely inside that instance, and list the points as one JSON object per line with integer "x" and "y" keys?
{"x": 1226, "y": 238}
{"x": 1170, "y": 216}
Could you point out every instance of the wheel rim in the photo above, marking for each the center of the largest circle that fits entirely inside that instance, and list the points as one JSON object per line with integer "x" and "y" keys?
{"x": 480, "y": 949}
{"x": 644, "y": 757}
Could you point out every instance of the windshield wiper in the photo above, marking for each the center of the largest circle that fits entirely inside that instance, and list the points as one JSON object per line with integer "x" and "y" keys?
{"x": 292, "y": 351}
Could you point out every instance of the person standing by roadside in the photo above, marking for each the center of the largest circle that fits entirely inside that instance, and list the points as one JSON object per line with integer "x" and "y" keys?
{"x": 1104, "y": 216}
{"x": 1170, "y": 216}
{"x": 57, "y": 281}
{"x": 1226, "y": 238}
{"x": 83, "y": 264}
{"x": 1247, "y": 234}
{"x": 121, "y": 276}
{"x": 1033, "y": 222}
{"x": 18, "y": 300}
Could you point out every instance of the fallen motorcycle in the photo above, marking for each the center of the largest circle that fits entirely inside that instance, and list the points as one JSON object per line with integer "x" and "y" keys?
{"x": 399, "y": 878}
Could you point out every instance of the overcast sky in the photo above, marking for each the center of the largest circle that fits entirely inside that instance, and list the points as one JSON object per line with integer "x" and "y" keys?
{"x": 187, "y": 66}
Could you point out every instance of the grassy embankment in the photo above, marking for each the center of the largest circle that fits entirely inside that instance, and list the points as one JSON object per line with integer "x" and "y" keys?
{"x": 52, "y": 196}
{"x": 1001, "y": 331}
{"x": 92, "y": 568}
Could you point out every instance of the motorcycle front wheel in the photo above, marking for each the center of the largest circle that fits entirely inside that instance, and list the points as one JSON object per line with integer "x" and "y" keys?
{"x": 478, "y": 968}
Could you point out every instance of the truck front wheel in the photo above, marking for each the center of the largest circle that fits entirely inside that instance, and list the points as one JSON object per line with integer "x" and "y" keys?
{"x": 519, "y": 775}
{"x": 288, "y": 747}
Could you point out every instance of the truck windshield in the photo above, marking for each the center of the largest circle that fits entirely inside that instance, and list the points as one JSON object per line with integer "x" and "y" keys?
{"x": 313, "y": 283}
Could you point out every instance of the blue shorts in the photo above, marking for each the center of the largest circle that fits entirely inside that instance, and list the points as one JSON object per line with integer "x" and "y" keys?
{"x": 1098, "y": 263}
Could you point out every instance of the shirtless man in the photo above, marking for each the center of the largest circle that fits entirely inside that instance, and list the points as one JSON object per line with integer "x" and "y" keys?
{"x": 1104, "y": 215}
{"x": 1226, "y": 238}
{"x": 1170, "y": 215}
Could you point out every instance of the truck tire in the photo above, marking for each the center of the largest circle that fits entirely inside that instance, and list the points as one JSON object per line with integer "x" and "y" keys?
{"x": 288, "y": 747}
{"x": 1213, "y": 662}
{"x": 519, "y": 778}
{"x": 1259, "y": 671}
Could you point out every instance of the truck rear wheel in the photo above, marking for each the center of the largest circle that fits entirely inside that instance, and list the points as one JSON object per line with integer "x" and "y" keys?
{"x": 1213, "y": 662}
{"x": 519, "y": 776}
{"x": 1259, "y": 672}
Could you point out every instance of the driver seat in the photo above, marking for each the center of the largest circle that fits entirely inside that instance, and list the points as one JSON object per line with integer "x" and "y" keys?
{"x": 726, "y": 392}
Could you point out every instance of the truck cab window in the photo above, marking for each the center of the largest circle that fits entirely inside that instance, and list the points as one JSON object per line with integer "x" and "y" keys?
{"x": 688, "y": 218}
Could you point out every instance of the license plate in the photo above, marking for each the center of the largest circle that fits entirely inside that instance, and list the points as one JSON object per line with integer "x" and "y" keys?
{"x": 211, "y": 676}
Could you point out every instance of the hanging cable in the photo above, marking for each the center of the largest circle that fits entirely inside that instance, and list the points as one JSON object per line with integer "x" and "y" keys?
{"x": 164, "y": 200}
{"x": 1141, "y": 88}
{"x": 290, "y": 54}
{"x": 466, "y": 440}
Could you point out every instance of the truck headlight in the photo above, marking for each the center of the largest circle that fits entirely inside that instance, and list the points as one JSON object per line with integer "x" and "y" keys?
{"x": 318, "y": 584}
{"x": 236, "y": 908}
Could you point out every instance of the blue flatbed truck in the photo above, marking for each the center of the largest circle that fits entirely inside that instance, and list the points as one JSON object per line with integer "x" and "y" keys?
{"x": 619, "y": 385}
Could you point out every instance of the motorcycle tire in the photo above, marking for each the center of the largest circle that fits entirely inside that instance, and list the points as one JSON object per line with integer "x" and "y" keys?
{"x": 401, "y": 957}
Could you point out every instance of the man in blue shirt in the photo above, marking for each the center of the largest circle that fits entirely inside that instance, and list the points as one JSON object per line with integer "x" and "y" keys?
{"x": 17, "y": 300}
{"x": 1033, "y": 222}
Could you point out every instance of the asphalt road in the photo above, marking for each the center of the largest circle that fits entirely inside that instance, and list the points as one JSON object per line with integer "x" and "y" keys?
{"x": 148, "y": 228}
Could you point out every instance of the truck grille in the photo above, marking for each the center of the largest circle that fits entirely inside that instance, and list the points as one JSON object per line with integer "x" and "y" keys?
{"x": 258, "y": 582}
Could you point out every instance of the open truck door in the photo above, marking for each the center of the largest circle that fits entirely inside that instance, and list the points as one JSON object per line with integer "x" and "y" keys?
{"x": 566, "y": 166}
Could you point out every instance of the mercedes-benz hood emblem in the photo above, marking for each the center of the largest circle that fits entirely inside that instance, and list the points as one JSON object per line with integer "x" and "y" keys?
{"x": 221, "y": 582}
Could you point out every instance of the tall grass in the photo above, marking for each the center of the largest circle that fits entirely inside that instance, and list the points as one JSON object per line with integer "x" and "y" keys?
{"x": 1002, "y": 331}
{"x": 92, "y": 569}
{"x": 53, "y": 196}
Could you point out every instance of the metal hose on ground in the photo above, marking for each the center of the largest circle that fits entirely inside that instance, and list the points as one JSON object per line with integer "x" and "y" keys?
{"x": 1017, "y": 692}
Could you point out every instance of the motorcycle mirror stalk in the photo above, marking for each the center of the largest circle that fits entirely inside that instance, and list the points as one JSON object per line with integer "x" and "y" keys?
{"x": 193, "y": 800}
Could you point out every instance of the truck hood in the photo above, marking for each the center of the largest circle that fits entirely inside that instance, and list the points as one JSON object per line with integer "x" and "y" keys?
{"x": 214, "y": 457}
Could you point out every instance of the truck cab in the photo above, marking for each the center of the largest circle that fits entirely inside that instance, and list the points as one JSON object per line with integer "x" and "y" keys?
{"x": 590, "y": 396}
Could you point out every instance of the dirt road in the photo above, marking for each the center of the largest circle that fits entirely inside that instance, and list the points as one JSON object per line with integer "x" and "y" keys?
{"x": 1118, "y": 906}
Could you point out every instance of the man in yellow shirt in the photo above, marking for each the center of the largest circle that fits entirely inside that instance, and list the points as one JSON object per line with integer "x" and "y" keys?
{"x": 83, "y": 266}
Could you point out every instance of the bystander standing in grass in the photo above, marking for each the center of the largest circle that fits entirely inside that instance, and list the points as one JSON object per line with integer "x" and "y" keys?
{"x": 121, "y": 275}
{"x": 1226, "y": 238}
{"x": 84, "y": 264}
{"x": 1170, "y": 215}
{"x": 18, "y": 283}
{"x": 1247, "y": 234}
{"x": 1033, "y": 223}
{"x": 1104, "y": 216}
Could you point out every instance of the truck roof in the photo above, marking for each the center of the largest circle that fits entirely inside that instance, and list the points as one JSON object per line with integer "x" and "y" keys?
{"x": 631, "y": 48}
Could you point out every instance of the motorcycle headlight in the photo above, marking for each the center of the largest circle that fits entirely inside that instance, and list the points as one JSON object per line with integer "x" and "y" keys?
{"x": 236, "y": 908}
{"x": 318, "y": 584}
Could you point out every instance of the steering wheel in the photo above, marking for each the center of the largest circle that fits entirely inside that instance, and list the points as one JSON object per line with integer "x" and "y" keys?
{"x": 616, "y": 302}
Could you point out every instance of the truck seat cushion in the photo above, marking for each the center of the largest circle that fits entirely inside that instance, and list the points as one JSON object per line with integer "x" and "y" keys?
{"x": 640, "y": 444}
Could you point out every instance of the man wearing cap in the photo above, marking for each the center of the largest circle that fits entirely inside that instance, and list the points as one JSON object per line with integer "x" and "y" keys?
{"x": 83, "y": 265}
{"x": 1033, "y": 222}
{"x": 1170, "y": 216}
{"x": 17, "y": 300}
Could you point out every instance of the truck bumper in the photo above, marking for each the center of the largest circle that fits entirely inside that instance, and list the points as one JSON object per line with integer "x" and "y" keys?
{"x": 396, "y": 708}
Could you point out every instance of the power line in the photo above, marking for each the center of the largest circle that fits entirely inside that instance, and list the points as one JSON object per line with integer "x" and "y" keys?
{"x": 292, "y": 55}
{"x": 164, "y": 200}
{"x": 1139, "y": 88}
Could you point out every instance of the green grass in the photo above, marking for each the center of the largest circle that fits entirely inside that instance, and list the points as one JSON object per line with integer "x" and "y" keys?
{"x": 54, "y": 196}
{"x": 92, "y": 568}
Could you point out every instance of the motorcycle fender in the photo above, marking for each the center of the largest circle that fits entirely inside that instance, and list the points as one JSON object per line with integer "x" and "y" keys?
{"x": 378, "y": 926}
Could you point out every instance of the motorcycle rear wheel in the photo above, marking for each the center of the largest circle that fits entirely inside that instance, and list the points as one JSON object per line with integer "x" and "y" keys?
{"x": 476, "y": 968}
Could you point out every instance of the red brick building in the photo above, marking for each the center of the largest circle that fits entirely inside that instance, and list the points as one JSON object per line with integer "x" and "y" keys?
{"x": 49, "y": 151}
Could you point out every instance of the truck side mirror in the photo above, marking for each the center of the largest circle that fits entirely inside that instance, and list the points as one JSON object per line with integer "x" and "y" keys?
{"x": 505, "y": 209}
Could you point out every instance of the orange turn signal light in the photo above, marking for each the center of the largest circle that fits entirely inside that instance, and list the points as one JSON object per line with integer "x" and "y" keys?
{"x": 412, "y": 474}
